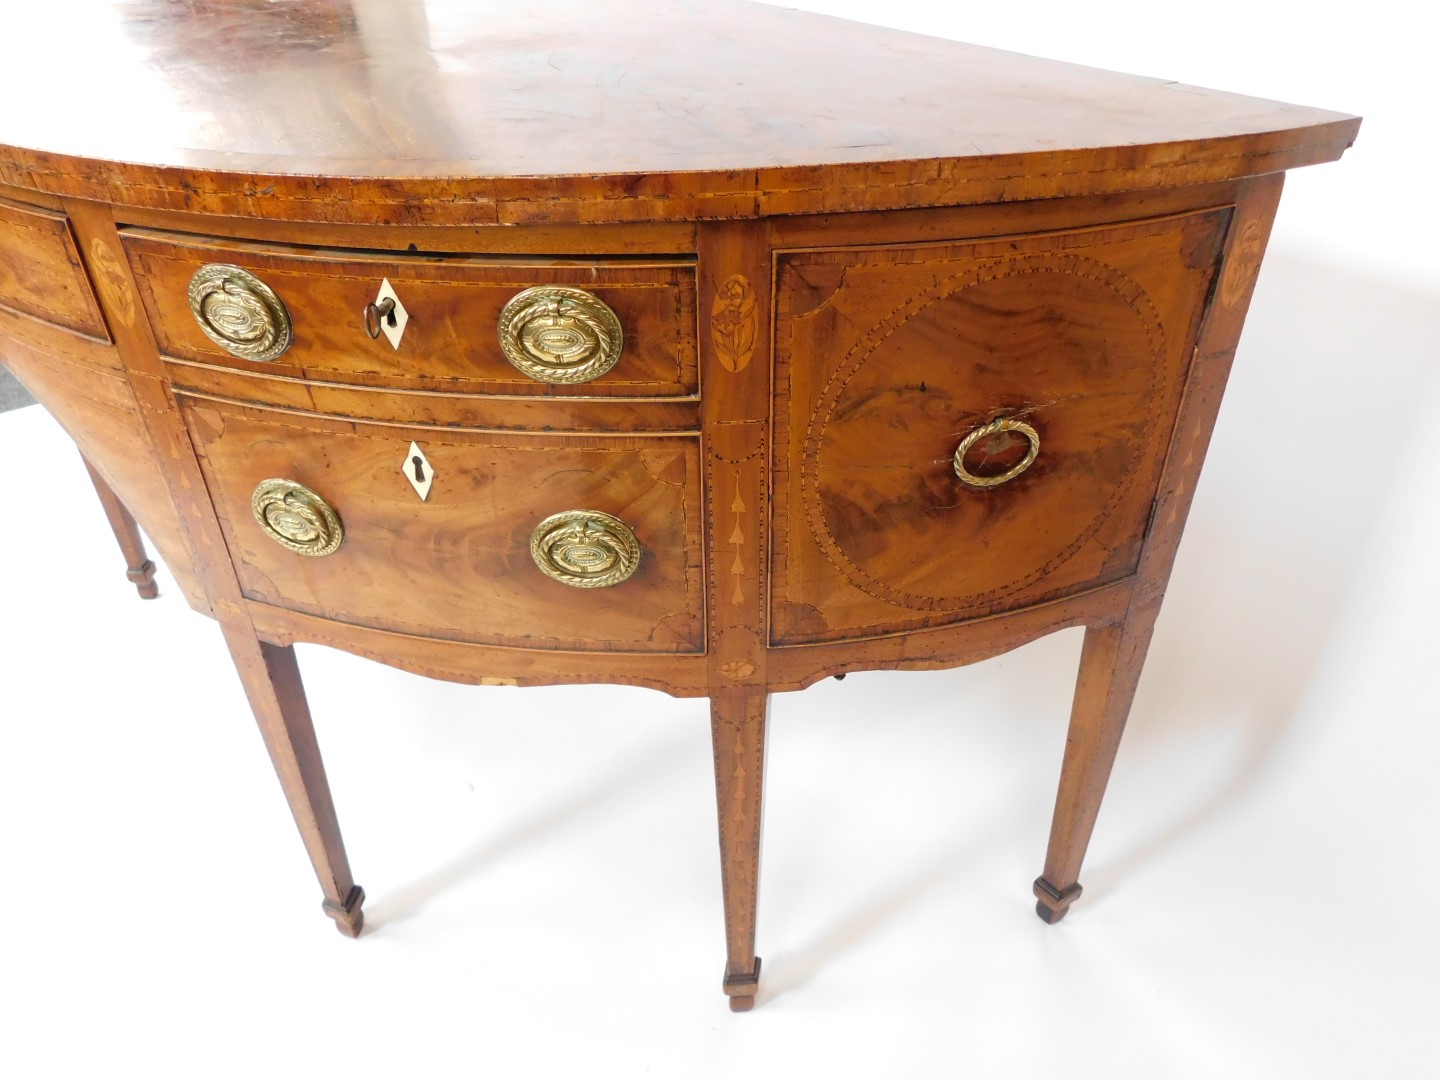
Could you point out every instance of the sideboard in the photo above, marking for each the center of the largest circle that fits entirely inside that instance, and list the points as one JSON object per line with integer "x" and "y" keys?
{"x": 711, "y": 348}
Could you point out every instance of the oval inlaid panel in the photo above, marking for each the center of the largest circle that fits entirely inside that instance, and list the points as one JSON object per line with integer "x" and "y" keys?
{"x": 1068, "y": 343}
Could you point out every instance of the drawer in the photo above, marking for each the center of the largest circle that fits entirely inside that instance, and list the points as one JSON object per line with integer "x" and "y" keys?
{"x": 460, "y": 564}
{"x": 40, "y": 270}
{"x": 637, "y": 314}
{"x": 1075, "y": 345}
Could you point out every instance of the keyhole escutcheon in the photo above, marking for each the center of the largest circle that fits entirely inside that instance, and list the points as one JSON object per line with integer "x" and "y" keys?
{"x": 418, "y": 471}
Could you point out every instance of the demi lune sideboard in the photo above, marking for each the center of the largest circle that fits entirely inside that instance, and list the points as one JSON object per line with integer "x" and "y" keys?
{"x": 714, "y": 348}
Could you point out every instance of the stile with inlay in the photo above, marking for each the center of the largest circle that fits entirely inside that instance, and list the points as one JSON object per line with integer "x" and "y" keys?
{"x": 525, "y": 352}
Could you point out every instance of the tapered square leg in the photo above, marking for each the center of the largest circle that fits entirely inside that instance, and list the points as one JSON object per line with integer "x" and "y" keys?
{"x": 272, "y": 683}
{"x": 1110, "y": 664}
{"x": 138, "y": 568}
{"x": 737, "y": 728}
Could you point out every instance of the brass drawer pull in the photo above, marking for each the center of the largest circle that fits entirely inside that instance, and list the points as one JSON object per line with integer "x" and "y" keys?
{"x": 585, "y": 548}
{"x": 985, "y": 431}
{"x": 239, "y": 312}
{"x": 296, "y": 518}
{"x": 559, "y": 335}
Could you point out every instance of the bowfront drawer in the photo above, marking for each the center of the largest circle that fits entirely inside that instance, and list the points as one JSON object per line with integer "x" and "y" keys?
{"x": 41, "y": 273}
{"x": 975, "y": 427}
{"x": 560, "y": 543}
{"x": 459, "y": 324}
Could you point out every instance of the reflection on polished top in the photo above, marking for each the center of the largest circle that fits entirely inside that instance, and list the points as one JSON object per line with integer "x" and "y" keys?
{"x": 211, "y": 100}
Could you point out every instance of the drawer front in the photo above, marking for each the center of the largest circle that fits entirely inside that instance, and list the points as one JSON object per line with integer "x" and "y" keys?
{"x": 453, "y": 309}
{"x": 41, "y": 273}
{"x": 458, "y": 564}
{"x": 1061, "y": 356}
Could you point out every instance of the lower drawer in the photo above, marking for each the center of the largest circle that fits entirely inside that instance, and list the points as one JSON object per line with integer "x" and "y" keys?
{"x": 464, "y": 562}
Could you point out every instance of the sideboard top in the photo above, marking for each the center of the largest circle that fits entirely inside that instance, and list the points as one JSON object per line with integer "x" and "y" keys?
{"x": 488, "y": 111}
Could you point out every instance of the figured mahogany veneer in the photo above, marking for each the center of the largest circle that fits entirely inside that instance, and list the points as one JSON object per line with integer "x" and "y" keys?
{"x": 40, "y": 271}
{"x": 448, "y": 567}
{"x": 888, "y": 356}
{"x": 826, "y": 295}
{"x": 450, "y": 342}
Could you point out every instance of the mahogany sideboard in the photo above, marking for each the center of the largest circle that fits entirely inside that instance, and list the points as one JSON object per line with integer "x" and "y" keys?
{"x": 707, "y": 347}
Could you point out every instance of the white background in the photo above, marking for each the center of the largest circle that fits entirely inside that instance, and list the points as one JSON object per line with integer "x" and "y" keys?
{"x": 541, "y": 865}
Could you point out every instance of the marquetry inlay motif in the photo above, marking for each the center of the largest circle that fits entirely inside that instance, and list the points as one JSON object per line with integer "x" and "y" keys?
{"x": 734, "y": 323}
{"x": 111, "y": 278}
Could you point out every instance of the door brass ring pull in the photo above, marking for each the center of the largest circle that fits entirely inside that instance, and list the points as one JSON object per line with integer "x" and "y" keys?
{"x": 559, "y": 335}
{"x": 239, "y": 312}
{"x": 984, "y": 431}
{"x": 586, "y": 549}
{"x": 296, "y": 518}
{"x": 374, "y": 313}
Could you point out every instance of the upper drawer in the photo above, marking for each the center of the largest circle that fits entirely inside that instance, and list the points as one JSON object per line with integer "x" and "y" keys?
{"x": 41, "y": 273}
{"x": 453, "y": 305}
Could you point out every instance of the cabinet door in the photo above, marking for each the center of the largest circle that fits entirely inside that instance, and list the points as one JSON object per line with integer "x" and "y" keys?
{"x": 886, "y": 358}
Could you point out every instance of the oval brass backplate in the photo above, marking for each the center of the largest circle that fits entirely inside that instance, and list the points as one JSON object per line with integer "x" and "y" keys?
{"x": 296, "y": 518}
{"x": 586, "y": 549}
{"x": 239, "y": 312}
{"x": 560, "y": 335}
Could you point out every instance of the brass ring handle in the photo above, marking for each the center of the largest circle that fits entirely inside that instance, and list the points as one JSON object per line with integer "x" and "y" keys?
{"x": 586, "y": 549}
{"x": 239, "y": 312}
{"x": 560, "y": 335}
{"x": 374, "y": 313}
{"x": 984, "y": 431}
{"x": 296, "y": 518}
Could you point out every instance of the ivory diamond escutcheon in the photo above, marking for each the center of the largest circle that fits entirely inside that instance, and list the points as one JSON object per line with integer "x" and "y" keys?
{"x": 392, "y": 324}
{"x": 417, "y": 470}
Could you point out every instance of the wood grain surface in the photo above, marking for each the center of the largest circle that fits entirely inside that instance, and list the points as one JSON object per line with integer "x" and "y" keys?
{"x": 888, "y": 357}
{"x": 82, "y": 383}
{"x": 41, "y": 273}
{"x": 834, "y": 250}
{"x": 328, "y": 110}
{"x": 451, "y": 341}
{"x": 457, "y": 566}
